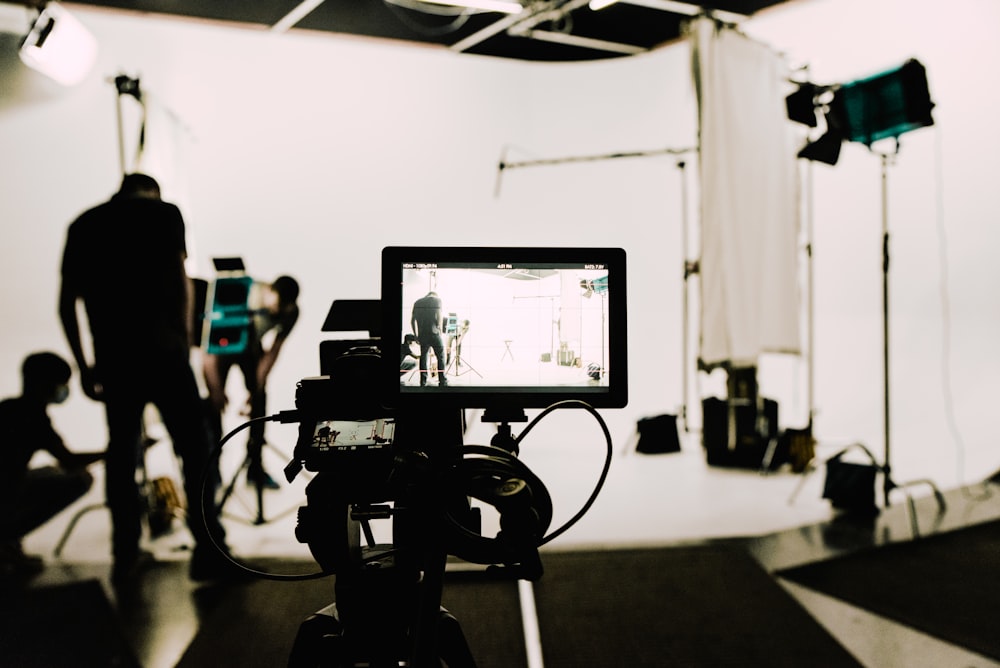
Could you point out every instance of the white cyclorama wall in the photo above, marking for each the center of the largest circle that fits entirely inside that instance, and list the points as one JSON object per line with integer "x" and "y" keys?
{"x": 306, "y": 154}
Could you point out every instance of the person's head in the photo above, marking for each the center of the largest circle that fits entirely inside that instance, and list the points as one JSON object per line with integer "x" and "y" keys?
{"x": 45, "y": 376}
{"x": 287, "y": 290}
{"x": 139, "y": 185}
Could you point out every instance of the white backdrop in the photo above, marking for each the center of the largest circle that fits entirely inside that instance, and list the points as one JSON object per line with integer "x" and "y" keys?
{"x": 306, "y": 154}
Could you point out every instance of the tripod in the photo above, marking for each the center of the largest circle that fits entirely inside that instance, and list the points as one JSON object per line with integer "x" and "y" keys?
{"x": 413, "y": 468}
{"x": 388, "y": 608}
{"x": 455, "y": 361}
{"x": 255, "y": 476}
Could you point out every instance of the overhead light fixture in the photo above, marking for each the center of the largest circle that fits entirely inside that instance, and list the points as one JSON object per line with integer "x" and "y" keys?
{"x": 597, "y": 5}
{"x": 502, "y": 6}
{"x": 882, "y": 106}
{"x": 59, "y": 46}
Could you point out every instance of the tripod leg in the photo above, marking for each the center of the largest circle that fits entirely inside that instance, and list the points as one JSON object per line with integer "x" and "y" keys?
{"x": 232, "y": 484}
{"x": 453, "y": 648}
{"x": 259, "y": 488}
{"x": 319, "y": 641}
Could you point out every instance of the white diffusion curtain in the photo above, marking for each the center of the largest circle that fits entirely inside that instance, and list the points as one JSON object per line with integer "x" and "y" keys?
{"x": 749, "y": 211}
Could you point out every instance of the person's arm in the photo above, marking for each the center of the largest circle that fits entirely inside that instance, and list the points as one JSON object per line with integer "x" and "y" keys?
{"x": 80, "y": 460}
{"x": 71, "y": 461}
{"x": 187, "y": 300}
{"x": 268, "y": 359}
{"x": 185, "y": 286}
{"x": 270, "y": 356}
{"x": 68, "y": 297}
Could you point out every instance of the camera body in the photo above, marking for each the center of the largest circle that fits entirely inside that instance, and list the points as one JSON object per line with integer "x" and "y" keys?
{"x": 342, "y": 421}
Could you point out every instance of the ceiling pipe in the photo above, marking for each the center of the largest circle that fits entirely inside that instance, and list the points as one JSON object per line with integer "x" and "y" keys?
{"x": 583, "y": 42}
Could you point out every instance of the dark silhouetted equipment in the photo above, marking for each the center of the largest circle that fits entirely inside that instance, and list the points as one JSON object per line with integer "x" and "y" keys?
{"x": 742, "y": 429}
{"x": 882, "y": 106}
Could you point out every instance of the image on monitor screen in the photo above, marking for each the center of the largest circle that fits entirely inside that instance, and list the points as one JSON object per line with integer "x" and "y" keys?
{"x": 524, "y": 326}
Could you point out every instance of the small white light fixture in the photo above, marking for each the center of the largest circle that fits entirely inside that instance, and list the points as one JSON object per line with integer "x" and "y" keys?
{"x": 596, "y": 5}
{"x": 59, "y": 46}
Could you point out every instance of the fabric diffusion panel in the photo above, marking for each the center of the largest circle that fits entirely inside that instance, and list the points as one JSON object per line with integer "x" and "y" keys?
{"x": 749, "y": 211}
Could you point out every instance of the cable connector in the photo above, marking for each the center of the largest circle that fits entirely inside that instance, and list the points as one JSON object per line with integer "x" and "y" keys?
{"x": 285, "y": 417}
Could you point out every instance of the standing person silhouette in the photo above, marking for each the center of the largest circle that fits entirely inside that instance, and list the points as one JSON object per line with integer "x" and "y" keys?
{"x": 124, "y": 260}
{"x": 427, "y": 321}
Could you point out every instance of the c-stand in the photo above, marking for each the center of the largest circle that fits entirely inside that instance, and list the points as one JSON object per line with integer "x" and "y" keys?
{"x": 256, "y": 477}
{"x": 454, "y": 361}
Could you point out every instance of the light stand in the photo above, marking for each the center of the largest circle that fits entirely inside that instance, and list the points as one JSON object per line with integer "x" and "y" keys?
{"x": 127, "y": 86}
{"x": 456, "y": 359}
{"x": 888, "y": 484}
{"x": 883, "y": 106}
{"x": 691, "y": 267}
{"x": 886, "y": 158}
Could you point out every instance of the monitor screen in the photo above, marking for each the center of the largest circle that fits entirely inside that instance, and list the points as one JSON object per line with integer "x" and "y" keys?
{"x": 503, "y": 327}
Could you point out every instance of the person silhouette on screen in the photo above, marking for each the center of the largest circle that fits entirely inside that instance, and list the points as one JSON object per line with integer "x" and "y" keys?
{"x": 408, "y": 358}
{"x": 427, "y": 322}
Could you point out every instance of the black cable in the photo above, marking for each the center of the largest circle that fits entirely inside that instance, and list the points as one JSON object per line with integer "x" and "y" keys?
{"x": 213, "y": 464}
{"x": 945, "y": 296}
{"x": 477, "y": 475}
{"x": 604, "y": 471}
{"x": 289, "y": 416}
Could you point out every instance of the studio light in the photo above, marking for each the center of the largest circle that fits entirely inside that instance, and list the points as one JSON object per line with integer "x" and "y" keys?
{"x": 59, "y": 46}
{"x": 826, "y": 149}
{"x": 801, "y": 104}
{"x": 882, "y": 106}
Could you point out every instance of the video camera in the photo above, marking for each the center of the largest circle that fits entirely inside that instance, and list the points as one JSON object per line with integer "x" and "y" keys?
{"x": 385, "y": 447}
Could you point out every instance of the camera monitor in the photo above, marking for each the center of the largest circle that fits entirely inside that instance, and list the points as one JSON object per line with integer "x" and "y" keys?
{"x": 503, "y": 328}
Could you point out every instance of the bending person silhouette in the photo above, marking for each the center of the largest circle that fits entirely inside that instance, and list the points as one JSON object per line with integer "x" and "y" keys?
{"x": 274, "y": 311}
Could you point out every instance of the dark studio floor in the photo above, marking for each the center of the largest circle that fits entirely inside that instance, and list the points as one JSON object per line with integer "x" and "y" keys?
{"x": 163, "y": 614}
